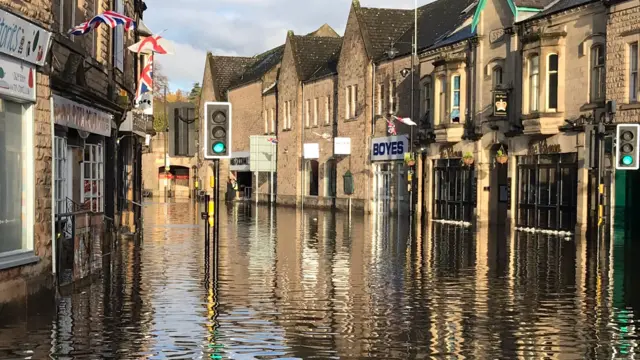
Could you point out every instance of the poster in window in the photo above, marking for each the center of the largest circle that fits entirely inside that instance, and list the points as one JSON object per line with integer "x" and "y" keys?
{"x": 500, "y": 103}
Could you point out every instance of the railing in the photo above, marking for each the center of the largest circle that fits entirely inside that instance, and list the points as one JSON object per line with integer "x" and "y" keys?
{"x": 65, "y": 235}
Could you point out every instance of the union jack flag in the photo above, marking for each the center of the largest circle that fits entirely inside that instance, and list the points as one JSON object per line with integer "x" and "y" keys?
{"x": 109, "y": 18}
{"x": 272, "y": 140}
{"x": 391, "y": 127}
{"x": 145, "y": 84}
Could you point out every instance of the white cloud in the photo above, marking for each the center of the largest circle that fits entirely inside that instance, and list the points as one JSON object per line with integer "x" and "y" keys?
{"x": 239, "y": 27}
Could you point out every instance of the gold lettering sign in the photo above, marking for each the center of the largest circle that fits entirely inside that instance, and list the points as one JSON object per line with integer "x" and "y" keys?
{"x": 447, "y": 152}
{"x": 541, "y": 147}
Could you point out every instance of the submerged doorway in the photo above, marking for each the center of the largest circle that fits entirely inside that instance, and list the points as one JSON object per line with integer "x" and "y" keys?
{"x": 312, "y": 177}
{"x": 454, "y": 190}
{"x": 498, "y": 187}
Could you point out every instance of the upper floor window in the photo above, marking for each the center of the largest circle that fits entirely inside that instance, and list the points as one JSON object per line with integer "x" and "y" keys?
{"x": 315, "y": 112}
{"x": 67, "y": 15}
{"x": 552, "y": 82}
{"x": 597, "y": 73}
{"x": 327, "y": 111}
{"x": 287, "y": 115}
{"x": 351, "y": 97}
{"x": 381, "y": 97}
{"x": 634, "y": 87}
{"x": 118, "y": 40}
{"x": 307, "y": 117}
{"x": 266, "y": 121}
{"x": 497, "y": 76}
{"x": 272, "y": 115}
{"x": 534, "y": 82}
{"x": 426, "y": 100}
{"x": 393, "y": 93}
{"x": 455, "y": 98}
{"x": 442, "y": 100}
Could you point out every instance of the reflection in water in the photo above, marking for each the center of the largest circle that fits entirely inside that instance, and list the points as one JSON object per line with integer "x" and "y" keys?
{"x": 292, "y": 284}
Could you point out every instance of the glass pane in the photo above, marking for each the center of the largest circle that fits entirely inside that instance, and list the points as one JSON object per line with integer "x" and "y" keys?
{"x": 94, "y": 171}
{"x": 553, "y": 62}
{"x": 87, "y": 153}
{"x": 456, "y": 82}
{"x": 553, "y": 91}
{"x": 87, "y": 171}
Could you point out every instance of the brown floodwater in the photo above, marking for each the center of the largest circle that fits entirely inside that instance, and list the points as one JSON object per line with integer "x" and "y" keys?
{"x": 310, "y": 284}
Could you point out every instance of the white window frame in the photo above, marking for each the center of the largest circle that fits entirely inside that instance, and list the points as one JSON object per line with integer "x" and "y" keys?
{"x": 273, "y": 120}
{"x": 118, "y": 33}
{"x": 534, "y": 86}
{"x": 634, "y": 80}
{"x": 96, "y": 157}
{"x": 454, "y": 91}
{"x": 307, "y": 113}
{"x": 60, "y": 178}
{"x": 598, "y": 79}
{"x": 548, "y": 88}
{"x": 327, "y": 111}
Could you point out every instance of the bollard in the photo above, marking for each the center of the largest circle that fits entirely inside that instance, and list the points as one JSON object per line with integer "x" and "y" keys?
{"x": 211, "y": 212}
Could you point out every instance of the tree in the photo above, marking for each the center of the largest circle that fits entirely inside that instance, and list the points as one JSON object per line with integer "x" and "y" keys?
{"x": 160, "y": 81}
{"x": 194, "y": 95}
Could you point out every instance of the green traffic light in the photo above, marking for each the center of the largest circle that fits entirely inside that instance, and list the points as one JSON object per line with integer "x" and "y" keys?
{"x": 627, "y": 160}
{"x": 218, "y": 147}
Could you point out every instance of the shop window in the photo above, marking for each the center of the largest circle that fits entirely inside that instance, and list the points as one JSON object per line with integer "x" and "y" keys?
{"x": 534, "y": 83}
{"x": 634, "y": 85}
{"x": 598, "y": 81}
{"x": 454, "y": 190}
{"x": 552, "y": 82}
{"x": 61, "y": 185}
{"x": 93, "y": 177}
{"x": 547, "y": 191}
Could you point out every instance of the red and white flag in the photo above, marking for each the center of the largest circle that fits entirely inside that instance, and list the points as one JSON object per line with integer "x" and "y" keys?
{"x": 391, "y": 127}
{"x": 153, "y": 44}
{"x": 406, "y": 121}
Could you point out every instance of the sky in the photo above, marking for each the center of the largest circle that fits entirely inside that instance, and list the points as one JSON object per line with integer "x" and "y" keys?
{"x": 239, "y": 28}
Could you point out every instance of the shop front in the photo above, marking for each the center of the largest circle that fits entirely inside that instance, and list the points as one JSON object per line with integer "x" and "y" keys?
{"x": 240, "y": 175}
{"x": 390, "y": 174}
{"x": 79, "y": 181}
{"x": 25, "y": 218}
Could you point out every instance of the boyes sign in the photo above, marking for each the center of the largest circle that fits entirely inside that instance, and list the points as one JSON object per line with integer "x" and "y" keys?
{"x": 389, "y": 148}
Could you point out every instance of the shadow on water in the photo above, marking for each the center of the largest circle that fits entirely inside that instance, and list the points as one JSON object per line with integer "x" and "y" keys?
{"x": 312, "y": 284}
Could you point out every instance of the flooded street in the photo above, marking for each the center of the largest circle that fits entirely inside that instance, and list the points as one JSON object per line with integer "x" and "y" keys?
{"x": 293, "y": 284}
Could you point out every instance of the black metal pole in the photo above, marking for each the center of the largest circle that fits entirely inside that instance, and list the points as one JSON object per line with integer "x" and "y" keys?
{"x": 206, "y": 222}
{"x": 217, "y": 206}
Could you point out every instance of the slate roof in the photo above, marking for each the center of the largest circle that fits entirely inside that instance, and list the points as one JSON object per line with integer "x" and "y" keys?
{"x": 537, "y": 4}
{"x": 381, "y": 26}
{"x": 226, "y": 69}
{"x": 558, "y": 6}
{"x": 261, "y": 64}
{"x": 314, "y": 56}
{"x": 436, "y": 20}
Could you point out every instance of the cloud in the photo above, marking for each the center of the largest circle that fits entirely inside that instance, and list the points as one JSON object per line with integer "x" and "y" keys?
{"x": 239, "y": 27}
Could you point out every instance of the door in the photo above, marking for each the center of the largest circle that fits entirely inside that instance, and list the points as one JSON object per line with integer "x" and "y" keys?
{"x": 383, "y": 188}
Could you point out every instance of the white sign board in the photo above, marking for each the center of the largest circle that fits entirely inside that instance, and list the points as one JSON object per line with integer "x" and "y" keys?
{"x": 23, "y": 40}
{"x": 71, "y": 114}
{"x": 17, "y": 78}
{"x": 240, "y": 161}
{"x": 389, "y": 148}
{"x": 263, "y": 153}
{"x": 342, "y": 146}
{"x": 311, "y": 151}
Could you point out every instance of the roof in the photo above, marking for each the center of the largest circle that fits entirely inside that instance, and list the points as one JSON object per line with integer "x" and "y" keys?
{"x": 225, "y": 70}
{"x": 315, "y": 56}
{"x": 536, "y": 4}
{"x": 381, "y": 27}
{"x": 262, "y": 63}
{"x": 558, "y": 6}
{"x": 436, "y": 20}
{"x": 462, "y": 34}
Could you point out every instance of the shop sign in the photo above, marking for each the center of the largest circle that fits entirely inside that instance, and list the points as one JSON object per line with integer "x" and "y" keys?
{"x": 71, "y": 114}
{"x": 17, "y": 79}
{"x": 311, "y": 151}
{"x": 342, "y": 146}
{"x": 500, "y": 103}
{"x": 541, "y": 147}
{"x": 389, "y": 148}
{"x": 22, "y": 39}
{"x": 240, "y": 161}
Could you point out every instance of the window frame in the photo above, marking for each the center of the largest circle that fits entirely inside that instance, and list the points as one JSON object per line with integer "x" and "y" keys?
{"x": 634, "y": 80}
{"x": 315, "y": 112}
{"x": 452, "y": 105}
{"x": 534, "y": 96}
{"x": 74, "y": 5}
{"x": 497, "y": 71}
{"x": 327, "y": 110}
{"x": 427, "y": 98}
{"x": 597, "y": 82}
{"x": 549, "y": 74}
{"x": 307, "y": 113}
{"x": 118, "y": 34}
{"x": 98, "y": 161}
{"x": 60, "y": 157}
{"x": 393, "y": 93}
{"x": 442, "y": 99}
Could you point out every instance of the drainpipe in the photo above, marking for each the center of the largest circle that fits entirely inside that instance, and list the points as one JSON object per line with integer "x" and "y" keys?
{"x": 54, "y": 240}
{"x": 302, "y": 145}
{"x": 373, "y": 132}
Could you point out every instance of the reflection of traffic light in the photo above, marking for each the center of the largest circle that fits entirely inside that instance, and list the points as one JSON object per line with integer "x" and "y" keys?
{"x": 217, "y": 130}
{"x": 627, "y": 147}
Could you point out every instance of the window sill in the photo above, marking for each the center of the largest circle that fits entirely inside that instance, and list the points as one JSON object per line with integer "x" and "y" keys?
{"x": 285, "y": 130}
{"x": 630, "y": 106}
{"x": 351, "y": 119}
{"x": 538, "y": 115}
{"x": 17, "y": 258}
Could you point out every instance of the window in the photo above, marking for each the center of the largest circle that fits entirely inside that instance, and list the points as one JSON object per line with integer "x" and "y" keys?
{"x": 327, "y": 112}
{"x": 315, "y": 112}
{"x": 14, "y": 180}
{"x": 442, "y": 99}
{"x": 67, "y": 15}
{"x": 393, "y": 106}
{"x": 352, "y": 101}
{"x": 634, "y": 89}
{"x": 347, "y": 95}
{"x": 60, "y": 156}
{"x": 598, "y": 81}
{"x": 307, "y": 113}
{"x": 426, "y": 100}
{"x": 534, "y": 82}
{"x": 455, "y": 98}
{"x": 266, "y": 121}
{"x": 381, "y": 96}
{"x": 118, "y": 43}
{"x": 552, "y": 82}
{"x": 273, "y": 121}
{"x": 497, "y": 76}
{"x": 93, "y": 177}
{"x": 287, "y": 115}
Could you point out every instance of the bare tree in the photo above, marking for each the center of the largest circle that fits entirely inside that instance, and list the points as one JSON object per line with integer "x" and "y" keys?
{"x": 160, "y": 80}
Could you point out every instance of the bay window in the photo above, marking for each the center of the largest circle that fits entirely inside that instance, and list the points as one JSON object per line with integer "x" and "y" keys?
{"x": 552, "y": 82}
{"x": 534, "y": 82}
{"x": 455, "y": 98}
{"x": 426, "y": 100}
{"x": 442, "y": 99}
{"x": 597, "y": 73}
{"x": 93, "y": 177}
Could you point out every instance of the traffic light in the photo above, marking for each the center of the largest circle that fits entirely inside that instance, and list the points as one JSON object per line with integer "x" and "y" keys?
{"x": 217, "y": 130}
{"x": 627, "y": 147}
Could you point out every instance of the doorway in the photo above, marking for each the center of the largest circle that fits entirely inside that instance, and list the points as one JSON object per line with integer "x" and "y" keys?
{"x": 312, "y": 183}
{"x": 454, "y": 190}
{"x": 384, "y": 175}
{"x": 498, "y": 186}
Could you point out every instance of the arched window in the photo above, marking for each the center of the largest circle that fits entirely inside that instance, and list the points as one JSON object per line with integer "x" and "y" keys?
{"x": 497, "y": 76}
{"x": 597, "y": 73}
{"x": 552, "y": 82}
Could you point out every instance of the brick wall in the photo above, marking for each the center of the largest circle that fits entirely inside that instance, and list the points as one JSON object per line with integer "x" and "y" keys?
{"x": 385, "y": 73}
{"x": 354, "y": 69}
{"x": 622, "y": 28}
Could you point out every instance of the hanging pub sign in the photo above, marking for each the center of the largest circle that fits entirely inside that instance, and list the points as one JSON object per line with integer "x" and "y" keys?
{"x": 500, "y": 103}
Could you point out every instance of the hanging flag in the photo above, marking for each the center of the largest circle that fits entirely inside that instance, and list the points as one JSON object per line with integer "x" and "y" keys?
{"x": 144, "y": 94}
{"x": 391, "y": 127}
{"x": 109, "y": 18}
{"x": 155, "y": 43}
{"x": 406, "y": 121}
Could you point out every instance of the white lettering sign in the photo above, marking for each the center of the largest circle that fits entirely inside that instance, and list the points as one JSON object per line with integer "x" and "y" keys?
{"x": 389, "y": 148}
{"x": 17, "y": 79}
{"x": 22, "y": 39}
{"x": 311, "y": 151}
{"x": 71, "y": 114}
{"x": 240, "y": 161}
{"x": 342, "y": 146}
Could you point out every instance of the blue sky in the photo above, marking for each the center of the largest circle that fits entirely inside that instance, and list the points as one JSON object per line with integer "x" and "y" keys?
{"x": 239, "y": 27}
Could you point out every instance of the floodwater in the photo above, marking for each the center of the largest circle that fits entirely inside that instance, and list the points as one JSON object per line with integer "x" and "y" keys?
{"x": 292, "y": 284}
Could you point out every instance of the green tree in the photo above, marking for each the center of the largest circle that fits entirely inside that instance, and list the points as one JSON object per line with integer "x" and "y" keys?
{"x": 194, "y": 98}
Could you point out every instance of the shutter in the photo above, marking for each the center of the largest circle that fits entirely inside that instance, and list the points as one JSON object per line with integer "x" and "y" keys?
{"x": 193, "y": 136}
{"x": 171, "y": 135}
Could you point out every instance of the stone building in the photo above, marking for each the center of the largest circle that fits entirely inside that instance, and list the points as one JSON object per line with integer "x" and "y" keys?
{"x": 66, "y": 146}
